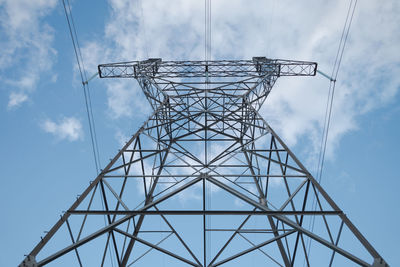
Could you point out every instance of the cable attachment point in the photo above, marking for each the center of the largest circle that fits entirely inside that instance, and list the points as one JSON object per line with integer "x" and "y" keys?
{"x": 91, "y": 78}
{"x": 326, "y": 76}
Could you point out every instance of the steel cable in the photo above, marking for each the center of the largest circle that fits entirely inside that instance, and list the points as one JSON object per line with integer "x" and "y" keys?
{"x": 86, "y": 91}
{"x": 329, "y": 105}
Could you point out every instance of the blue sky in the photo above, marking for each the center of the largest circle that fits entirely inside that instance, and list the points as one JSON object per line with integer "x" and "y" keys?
{"x": 46, "y": 156}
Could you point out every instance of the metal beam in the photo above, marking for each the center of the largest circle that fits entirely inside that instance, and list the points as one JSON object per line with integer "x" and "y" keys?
{"x": 202, "y": 212}
{"x": 157, "y": 248}
{"x": 274, "y": 239}
{"x": 289, "y": 222}
{"x": 113, "y": 225}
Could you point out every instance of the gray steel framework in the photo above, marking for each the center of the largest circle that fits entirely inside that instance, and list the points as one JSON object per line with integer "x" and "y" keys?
{"x": 207, "y": 146}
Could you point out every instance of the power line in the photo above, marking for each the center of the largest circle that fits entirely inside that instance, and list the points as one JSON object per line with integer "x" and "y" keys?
{"x": 144, "y": 28}
{"x": 85, "y": 85}
{"x": 329, "y": 104}
{"x": 206, "y": 185}
{"x": 207, "y": 30}
{"x": 86, "y": 92}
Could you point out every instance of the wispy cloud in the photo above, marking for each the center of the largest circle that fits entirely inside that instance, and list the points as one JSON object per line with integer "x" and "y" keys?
{"x": 26, "y": 42}
{"x": 68, "y": 128}
{"x": 367, "y": 78}
{"x": 129, "y": 36}
{"x": 241, "y": 29}
{"x": 16, "y": 99}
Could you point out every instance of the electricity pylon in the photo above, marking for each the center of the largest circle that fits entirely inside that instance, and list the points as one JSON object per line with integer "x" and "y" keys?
{"x": 205, "y": 181}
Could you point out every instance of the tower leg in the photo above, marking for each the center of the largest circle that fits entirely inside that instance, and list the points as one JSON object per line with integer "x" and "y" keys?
{"x": 379, "y": 262}
{"x": 29, "y": 261}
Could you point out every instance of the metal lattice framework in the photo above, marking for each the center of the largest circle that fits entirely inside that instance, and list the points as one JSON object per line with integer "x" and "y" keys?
{"x": 205, "y": 181}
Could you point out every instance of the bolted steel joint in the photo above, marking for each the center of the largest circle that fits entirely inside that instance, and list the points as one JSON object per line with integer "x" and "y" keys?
{"x": 29, "y": 261}
{"x": 379, "y": 262}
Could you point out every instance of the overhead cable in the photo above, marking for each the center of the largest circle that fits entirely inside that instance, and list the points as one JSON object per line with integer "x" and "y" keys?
{"x": 329, "y": 104}
{"x": 85, "y": 82}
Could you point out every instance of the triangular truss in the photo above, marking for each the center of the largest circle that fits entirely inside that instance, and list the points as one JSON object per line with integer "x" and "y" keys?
{"x": 205, "y": 181}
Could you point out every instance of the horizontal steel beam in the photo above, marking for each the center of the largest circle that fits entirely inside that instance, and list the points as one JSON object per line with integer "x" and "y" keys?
{"x": 201, "y": 212}
{"x": 156, "y": 247}
{"x": 289, "y": 222}
{"x": 253, "y": 248}
{"x": 113, "y": 225}
{"x": 214, "y": 175}
{"x": 156, "y": 68}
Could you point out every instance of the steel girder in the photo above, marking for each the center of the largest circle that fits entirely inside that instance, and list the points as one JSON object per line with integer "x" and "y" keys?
{"x": 204, "y": 153}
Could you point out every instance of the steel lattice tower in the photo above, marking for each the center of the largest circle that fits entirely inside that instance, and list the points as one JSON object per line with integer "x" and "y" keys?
{"x": 205, "y": 181}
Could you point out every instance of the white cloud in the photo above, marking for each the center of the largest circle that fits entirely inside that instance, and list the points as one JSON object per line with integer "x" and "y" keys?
{"x": 26, "y": 42}
{"x": 69, "y": 128}
{"x": 367, "y": 78}
{"x": 124, "y": 99}
{"x": 121, "y": 138}
{"x": 16, "y": 99}
{"x": 130, "y": 36}
{"x": 241, "y": 29}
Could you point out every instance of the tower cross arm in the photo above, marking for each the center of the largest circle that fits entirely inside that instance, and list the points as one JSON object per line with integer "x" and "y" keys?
{"x": 283, "y": 67}
{"x": 155, "y": 67}
{"x": 130, "y": 69}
